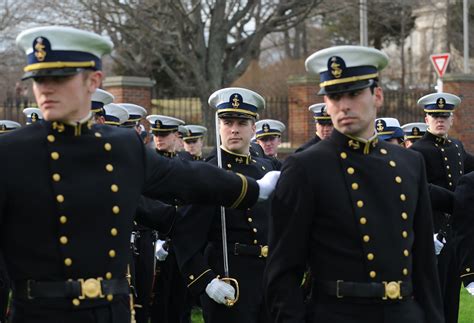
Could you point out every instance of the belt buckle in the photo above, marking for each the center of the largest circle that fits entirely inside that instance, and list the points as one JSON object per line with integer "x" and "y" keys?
{"x": 338, "y": 295}
{"x": 91, "y": 288}
{"x": 392, "y": 290}
{"x": 263, "y": 252}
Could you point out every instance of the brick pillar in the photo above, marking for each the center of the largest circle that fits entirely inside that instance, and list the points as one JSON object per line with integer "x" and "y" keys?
{"x": 130, "y": 89}
{"x": 462, "y": 85}
{"x": 302, "y": 92}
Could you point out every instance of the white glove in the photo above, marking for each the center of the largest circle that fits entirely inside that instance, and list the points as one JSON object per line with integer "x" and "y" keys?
{"x": 160, "y": 252}
{"x": 438, "y": 244}
{"x": 220, "y": 291}
{"x": 267, "y": 184}
{"x": 470, "y": 288}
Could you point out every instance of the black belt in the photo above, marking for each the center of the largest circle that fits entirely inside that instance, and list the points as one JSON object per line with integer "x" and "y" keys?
{"x": 385, "y": 290}
{"x": 249, "y": 250}
{"x": 81, "y": 288}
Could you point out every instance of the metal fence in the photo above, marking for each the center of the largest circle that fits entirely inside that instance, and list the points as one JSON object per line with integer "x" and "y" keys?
{"x": 396, "y": 104}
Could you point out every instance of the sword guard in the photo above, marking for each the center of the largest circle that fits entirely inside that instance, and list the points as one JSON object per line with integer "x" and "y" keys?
{"x": 234, "y": 283}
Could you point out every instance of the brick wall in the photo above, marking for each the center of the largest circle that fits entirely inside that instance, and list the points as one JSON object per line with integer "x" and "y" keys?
{"x": 130, "y": 89}
{"x": 462, "y": 85}
{"x": 302, "y": 92}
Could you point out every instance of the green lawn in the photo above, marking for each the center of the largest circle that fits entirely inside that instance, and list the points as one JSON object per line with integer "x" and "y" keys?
{"x": 466, "y": 307}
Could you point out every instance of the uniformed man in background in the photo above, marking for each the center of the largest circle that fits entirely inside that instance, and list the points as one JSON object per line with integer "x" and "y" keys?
{"x": 446, "y": 161}
{"x": 165, "y": 133}
{"x": 367, "y": 235}
{"x": 65, "y": 228}
{"x": 268, "y": 136}
{"x": 413, "y": 132}
{"x": 198, "y": 234}
{"x": 114, "y": 114}
{"x": 194, "y": 140}
{"x": 98, "y": 100}
{"x": 323, "y": 124}
{"x": 32, "y": 115}
{"x": 388, "y": 129}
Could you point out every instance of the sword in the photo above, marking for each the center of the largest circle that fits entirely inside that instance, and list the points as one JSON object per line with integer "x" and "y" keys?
{"x": 226, "y": 277}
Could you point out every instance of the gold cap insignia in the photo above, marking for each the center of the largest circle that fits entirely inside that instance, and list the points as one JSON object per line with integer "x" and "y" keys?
{"x": 39, "y": 46}
{"x": 3, "y": 127}
{"x": 380, "y": 125}
{"x": 236, "y": 100}
{"x": 266, "y": 128}
{"x": 158, "y": 124}
{"x": 34, "y": 117}
{"x": 336, "y": 65}
{"x": 441, "y": 103}
{"x": 415, "y": 131}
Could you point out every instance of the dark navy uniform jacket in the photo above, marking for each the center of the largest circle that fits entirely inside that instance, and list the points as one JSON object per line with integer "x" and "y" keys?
{"x": 308, "y": 144}
{"x": 445, "y": 158}
{"x": 371, "y": 222}
{"x": 198, "y": 240}
{"x": 68, "y": 196}
{"x": 463, "y": 224}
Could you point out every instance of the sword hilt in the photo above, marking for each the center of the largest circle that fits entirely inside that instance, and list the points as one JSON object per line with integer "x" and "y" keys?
{"x": 235, "y": 283}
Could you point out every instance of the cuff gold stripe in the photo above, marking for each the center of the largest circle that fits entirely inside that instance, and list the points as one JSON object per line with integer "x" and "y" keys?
{"x": 349, "y": 79}
{"x": 198, "y": 277}
{"x": 40, "y": 66}
{"x": 464, "y": 275}
{"x": 243, "y": 192}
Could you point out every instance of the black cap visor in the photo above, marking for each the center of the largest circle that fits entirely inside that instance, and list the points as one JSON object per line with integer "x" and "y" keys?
{"x": 235, "y": 115}
{"x": 346, "y": 87}
{"x": 52, "y": 72}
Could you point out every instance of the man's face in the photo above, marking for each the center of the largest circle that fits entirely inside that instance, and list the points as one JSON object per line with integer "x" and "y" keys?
{"x": 66, "y": 98}
{"x": 323, "y": 130}
{"x": 269, "y": 144}
{"x": 193, "y": 146}
{"x": 236, "y": 134}
{"x": 439, "y": 126}
{"x": 166, "y": 141}
{"x": 353, "y": 113}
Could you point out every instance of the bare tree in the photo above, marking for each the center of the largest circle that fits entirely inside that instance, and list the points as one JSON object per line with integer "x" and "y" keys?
{"x": 198, "y": 46}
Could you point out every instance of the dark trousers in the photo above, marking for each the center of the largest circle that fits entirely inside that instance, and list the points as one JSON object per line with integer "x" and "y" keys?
{"x": 4, "y": 293}
{"x": 144, "y": 272}
{"x": 170, "y": 303}
{"x": 335, "y": 311}
{"x": 450, "y": 282}
{"x": 29, "y": 312}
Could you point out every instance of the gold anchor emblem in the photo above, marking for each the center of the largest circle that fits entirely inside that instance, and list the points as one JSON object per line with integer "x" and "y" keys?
{"x": 58, "y": 126}
{"x": 40, "y": 53}
{"x": 34, "y": 117}
{"x": 416, "y": 131}
{"x": 239, "y": 160}
{"x": 354, "y": 144}
{"x": 266, "y": 128}
{"x": 441, "y": 103}
{"x": 235, "y": 101}
{"x": 336, "y": 70}
{"x": 380, "y": 126}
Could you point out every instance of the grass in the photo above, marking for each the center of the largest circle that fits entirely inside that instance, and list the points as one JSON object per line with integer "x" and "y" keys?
{"x": 466, "y": 309}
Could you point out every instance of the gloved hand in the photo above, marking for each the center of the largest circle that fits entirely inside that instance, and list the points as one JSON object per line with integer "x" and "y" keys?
{"x": 470, "y": 288}
{"x": 219, "y": 291}
{"x": 438, "y": 244}
{"x": 267, "y": 184}
{"x": 160, "y": 252}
